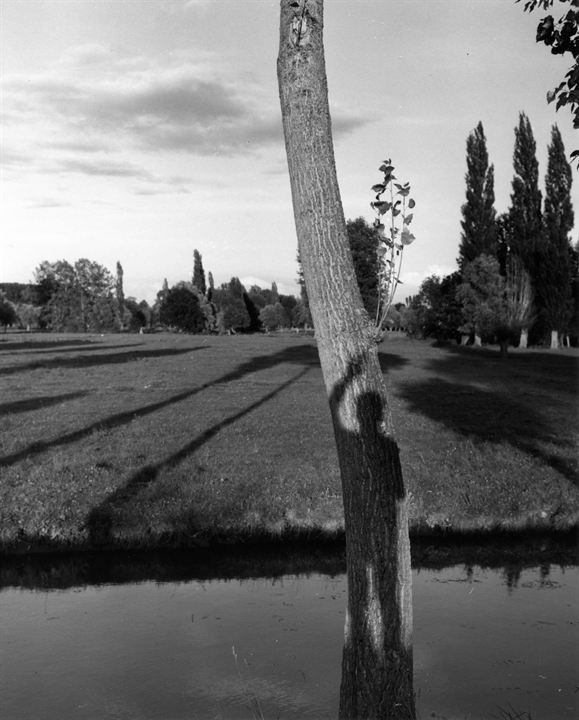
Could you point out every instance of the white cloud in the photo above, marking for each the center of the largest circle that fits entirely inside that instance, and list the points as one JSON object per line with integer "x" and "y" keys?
{"x": 92, "y": 99}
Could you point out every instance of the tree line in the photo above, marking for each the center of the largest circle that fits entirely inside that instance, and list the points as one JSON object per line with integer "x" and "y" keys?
{"x": 518, "y": 274}
{"x": 87, "y": 297}
{"x": 517, "y": 280}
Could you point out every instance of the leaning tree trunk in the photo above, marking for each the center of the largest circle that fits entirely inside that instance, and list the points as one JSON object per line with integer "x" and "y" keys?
{"x": 377, "y": 658}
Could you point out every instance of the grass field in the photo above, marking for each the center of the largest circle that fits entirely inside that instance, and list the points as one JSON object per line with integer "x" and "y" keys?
{"x": 173, "y": 440}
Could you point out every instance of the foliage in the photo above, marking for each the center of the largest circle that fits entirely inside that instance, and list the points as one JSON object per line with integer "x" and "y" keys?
{"x": 364, "y": 242}
{"x": 180, "y": 309}
{"x": 479, "y": 228}
{"x": 139, "y": 314}
{"x": 392, "y": 241}
{"x": 231, "y": 307}
{"x": 198, "y": 273}
{"x": 120, "y": 295}
{"x": 7, "y": 313}
{"x": 495, "y": 306}
{"x": 274, "y": 317}
{"x": 28, "y": 315}
{"x": 562, "y": 36}
{"x": 77, "y": 297}
{"x": 525, "y": 217}
{"x": 554, "y": 260}
{"x": 434, "y": 311}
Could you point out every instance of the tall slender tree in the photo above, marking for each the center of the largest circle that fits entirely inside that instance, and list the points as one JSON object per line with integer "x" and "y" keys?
{"x": 554, "y": 262}
{"x": 120, "y": 295}
{"x": 525, "y": 217}
{"x": 479, "y": 227}
{"x": 198, "y": 273}
{"x": 377, "y": 659}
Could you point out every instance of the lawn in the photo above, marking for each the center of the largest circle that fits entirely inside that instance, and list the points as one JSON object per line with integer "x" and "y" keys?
{"x": 177, "y": 440}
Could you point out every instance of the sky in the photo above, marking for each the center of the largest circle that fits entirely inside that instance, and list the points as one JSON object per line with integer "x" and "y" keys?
{"x": 139, "y": 130}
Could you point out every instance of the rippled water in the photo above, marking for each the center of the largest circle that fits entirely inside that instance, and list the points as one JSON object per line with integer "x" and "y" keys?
{"x": 272, "y": 648}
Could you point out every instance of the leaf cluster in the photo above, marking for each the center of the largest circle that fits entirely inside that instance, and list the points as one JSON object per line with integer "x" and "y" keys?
{"x": 562, "y": 36}
{"x": 392, "y": 241}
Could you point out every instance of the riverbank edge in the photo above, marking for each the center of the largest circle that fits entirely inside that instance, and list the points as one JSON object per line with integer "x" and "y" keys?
{"x": 290, "y": 536}
{"x": 511, "y": 553}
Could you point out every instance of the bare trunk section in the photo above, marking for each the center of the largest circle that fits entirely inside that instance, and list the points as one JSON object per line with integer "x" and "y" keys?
{"x": 377, "y": 660}
{"x": 523, "y": 342}
{"x": 554, "y": 340}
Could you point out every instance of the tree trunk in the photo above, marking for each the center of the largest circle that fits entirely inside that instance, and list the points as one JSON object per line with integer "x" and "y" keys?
{"x": 554, "y": 339}
{"x": 523, "y": 342}
{"x": 377, "y": 659}
{"x": 477, "y": 340}
{"x": 464, "y": 339}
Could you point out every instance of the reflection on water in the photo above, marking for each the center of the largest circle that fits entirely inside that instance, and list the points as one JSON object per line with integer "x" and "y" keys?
{"x": 484, "y": 639}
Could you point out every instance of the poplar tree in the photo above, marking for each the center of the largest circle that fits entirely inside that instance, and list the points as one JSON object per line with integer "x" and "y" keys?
{"x": 479, "y": 227}
{"x": 525, "y": 217}
{"x": 198, "y": 273}
{"x": 554, "y": 266}
{"x": 120, "y": 294}
{"x": 377, "y": 657}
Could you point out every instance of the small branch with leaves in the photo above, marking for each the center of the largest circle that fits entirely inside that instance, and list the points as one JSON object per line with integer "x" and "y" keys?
{"x": 393, "y": 239}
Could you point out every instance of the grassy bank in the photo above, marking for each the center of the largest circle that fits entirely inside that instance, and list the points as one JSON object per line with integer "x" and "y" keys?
{"x": 156, "y": 440}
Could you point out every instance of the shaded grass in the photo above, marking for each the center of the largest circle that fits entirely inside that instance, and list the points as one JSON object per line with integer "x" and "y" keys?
{"x": 181, "y": 440}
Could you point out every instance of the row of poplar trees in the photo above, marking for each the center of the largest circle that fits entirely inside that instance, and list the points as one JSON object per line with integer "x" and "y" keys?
{"x": 534, "y": 233}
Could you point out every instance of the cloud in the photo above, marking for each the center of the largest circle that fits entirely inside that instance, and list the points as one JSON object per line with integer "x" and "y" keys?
{"x": 102, "y": 167}
{"x": 177, "y": 103}
{"x": 47, "y": 203}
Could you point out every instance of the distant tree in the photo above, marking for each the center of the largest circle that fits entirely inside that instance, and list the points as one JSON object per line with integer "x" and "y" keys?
{"x": 231, "y": 308}
{"x": 76, "y": 298}
{"x": 259, "y": 297}
{"x": 198, "y": 273}
{"x": 7, "y": 314}
{"x": 525, "y": 216}
{"x": 434, "y": 311}
{"x": 562, "y": 36}
{"x": 95, "y": 286}
{"x": 180, "y": 309}
{"x": 554, "y": 261}
{"x": 479, "y": 227}
{"x": 364, "y": 240}
{"x": 120, "y": 295}
{"x": 28, "y": 315}
{"x": 274, "y": 317}
{"x": 288, "y": 302}
{"x": 494, "y": 306}
{"x": 253, "y": 313}
{"x": 138, "y": 317}
{"x": 274, "y": 293}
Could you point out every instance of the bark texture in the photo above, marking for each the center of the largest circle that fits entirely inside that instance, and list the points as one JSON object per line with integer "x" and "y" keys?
{"x": 377, "y": 659}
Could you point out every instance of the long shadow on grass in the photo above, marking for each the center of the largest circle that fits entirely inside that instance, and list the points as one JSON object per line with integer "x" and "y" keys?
{"x": 85, "y": 347}
{"x": 37, "y": 403}
{"x": 489, "y": 416}
{"x": 100, "y": 520}
{"x": 40, "y": 344}
{"x": 85, "y": 361}
{"x": 553, "y": 372}
{"x": 305, "y": 355}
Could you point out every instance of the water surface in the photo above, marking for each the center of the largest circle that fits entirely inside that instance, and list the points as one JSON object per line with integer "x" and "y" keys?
{"x": 484, "y": 640}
